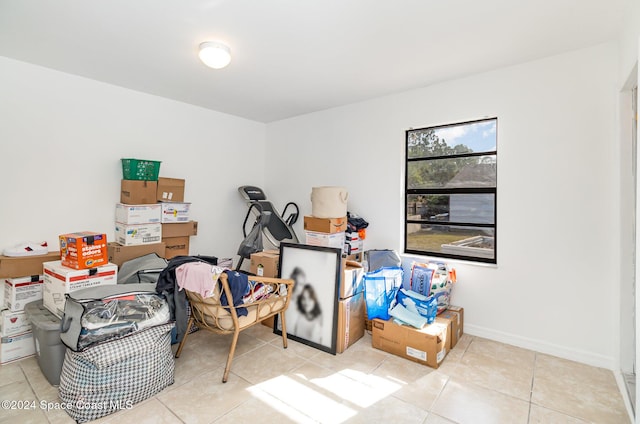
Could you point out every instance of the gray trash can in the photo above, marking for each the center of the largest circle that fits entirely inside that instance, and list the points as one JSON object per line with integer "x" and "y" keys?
{"x": 46, "y": 335}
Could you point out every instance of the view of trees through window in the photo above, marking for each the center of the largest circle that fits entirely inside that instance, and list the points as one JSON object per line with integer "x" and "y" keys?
{"x": 450, "y": 196}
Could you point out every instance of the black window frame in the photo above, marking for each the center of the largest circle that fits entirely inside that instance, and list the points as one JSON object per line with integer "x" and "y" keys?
{"x": 451, "y": 191}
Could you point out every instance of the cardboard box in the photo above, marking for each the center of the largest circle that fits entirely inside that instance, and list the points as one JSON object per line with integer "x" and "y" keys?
{"x": 84, "y": 249}
{"x": 427, "y": 346}
{"x": 135, "y": 192}
{"x": 60, "y": 280}
{"x": 352, "y": 279}
{"x": 138, "y": 214}
{"x": 350, "y": 321}
{"x": 268, "y": 322}
{"x": 325, "y": 239}
{"x": 357, "y": 257}
{"x": 265, "y": 264}
{"x": 119, "y": 254}
{"x": 175, "y": 212}
{"x": 455, "y": 314}
{"x": 13, "y": 348}
{"x": 170, "y": 190}
{"x": 20, "y": 291}
{"x": 137, "y": 234}
{"x": 14, "y": 267}
{"x": 180, "y": 229}
{"x": 12, "y": 323}
{"x": 176, "y": 246}
{"x": 325, "y": 225}
{"x": 449, "y": 325}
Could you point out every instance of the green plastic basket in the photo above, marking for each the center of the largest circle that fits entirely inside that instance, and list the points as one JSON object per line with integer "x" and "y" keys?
{"x": 140, "y": 169}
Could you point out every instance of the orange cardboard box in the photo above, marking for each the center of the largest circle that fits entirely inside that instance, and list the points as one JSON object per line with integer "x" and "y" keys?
{"x": 82, "y": 250}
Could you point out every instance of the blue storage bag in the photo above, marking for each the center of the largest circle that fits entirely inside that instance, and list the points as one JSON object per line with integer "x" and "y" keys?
{"x": 380, "y": 288}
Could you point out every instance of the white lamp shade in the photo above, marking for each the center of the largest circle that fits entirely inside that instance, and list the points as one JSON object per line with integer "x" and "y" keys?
{"x": 214, "y": 55}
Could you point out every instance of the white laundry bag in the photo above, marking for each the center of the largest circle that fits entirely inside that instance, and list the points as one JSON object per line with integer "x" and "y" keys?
{"x": 329, "y": 202}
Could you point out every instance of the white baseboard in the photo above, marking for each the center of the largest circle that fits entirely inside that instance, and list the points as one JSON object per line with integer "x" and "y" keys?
{"x": 625, "y": 394}
{"x": 543, "y": 347}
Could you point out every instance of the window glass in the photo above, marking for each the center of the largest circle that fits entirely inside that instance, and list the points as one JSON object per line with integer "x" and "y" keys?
{"x": 451, "y": 188}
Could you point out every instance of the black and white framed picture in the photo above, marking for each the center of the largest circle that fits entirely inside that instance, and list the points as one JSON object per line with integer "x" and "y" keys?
{"x": 312, "y": 316}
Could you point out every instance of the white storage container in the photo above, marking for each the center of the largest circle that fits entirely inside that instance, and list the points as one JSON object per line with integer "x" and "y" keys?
{"x": 329, "y": 202}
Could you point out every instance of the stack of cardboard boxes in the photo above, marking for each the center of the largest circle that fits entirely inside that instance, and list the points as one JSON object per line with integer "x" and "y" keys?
{"x": 265, "y": 264}
{"x": 327, "y": 232}
{"x": 83, "y": 262}
{"x": 351, "y": 305}
{"x": 429, "y": 345}
{"x": 152, "y": 217}
{"x": 354, "y": 244}
{"x": 333, "y": 232}
{"x": 21, "y": 283}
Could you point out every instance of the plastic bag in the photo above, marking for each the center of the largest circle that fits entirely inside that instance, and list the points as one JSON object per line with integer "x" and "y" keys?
{"x": 441, "y": 284}
{"x": 380, "y": 290}
{"x": 375, "y": 259}
{"x": 421, "y": 276}
{"x": 426, "y": 306}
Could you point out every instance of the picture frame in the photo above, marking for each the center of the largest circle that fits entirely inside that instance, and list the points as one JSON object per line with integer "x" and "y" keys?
{"x": 312, "y": 315}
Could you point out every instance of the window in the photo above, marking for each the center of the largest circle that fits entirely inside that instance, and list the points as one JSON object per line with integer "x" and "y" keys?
{"x": 450, "y": 191}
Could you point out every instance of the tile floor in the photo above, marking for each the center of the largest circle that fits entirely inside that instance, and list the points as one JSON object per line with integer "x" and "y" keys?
{"x": 480, "y": 381}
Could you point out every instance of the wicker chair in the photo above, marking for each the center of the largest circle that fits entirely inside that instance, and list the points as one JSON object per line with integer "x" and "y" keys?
{"x": 268, "y": 297}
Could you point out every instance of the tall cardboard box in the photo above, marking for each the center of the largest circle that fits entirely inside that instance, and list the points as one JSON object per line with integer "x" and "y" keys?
{"x": 170, "y": 190}
{"x": 426, "y": 346}
{"x": 265, "y": 264}
{"x": 350, "y": 321}
{"x": 137, "y": 192}
{"x": 455, "y": 314}
{"x": 119, "y": 254}
{"x": 60, "y": 280}
{"x": 352, "y": 281}
{"x": 22, "y": 266}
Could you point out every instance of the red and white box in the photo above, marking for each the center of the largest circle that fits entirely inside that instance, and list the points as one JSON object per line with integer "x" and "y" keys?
{"x": 13, "y": 348}
{"x": 60, "y": 280}
{"x": 84, "y": 249}
{"x": 12, "y": 323}
{"x": 20, "y": 291}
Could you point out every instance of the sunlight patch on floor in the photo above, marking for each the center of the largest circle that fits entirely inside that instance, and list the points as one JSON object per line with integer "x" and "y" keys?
{"x": 290, "y": 398}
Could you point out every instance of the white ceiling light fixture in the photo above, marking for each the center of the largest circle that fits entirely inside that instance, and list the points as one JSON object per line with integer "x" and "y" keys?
{"x": 214, "y": 54}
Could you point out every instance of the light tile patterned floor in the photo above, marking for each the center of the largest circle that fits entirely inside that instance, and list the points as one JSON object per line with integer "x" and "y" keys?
{"x": 480, "y": 381}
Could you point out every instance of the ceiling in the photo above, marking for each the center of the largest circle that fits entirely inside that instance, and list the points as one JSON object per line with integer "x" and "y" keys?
{"x": 292, "y": 57}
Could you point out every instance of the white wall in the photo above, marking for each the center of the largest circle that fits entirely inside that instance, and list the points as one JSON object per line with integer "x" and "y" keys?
{"x": 555, "y": 288}
{"x": 629, "y": 39}
{"x": 62, "y": 138}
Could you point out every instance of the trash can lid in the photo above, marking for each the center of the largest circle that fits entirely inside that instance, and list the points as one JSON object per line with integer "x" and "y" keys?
{"x": 41, "y": 317}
